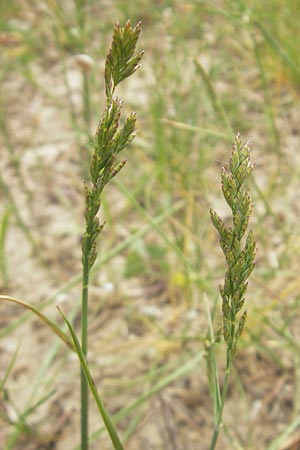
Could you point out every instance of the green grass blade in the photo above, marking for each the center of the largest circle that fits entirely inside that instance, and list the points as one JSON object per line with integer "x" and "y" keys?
{"x": 281, "y": 53}
{"x": 183, "y": 370}
{"x": 106, "y": 419}
{"x": 268, "y": 97}
{"x": 217, "y": 105}
{"x": 41, "y": 316}
{"x": 21, "y": 426}
{"x": 277, "y": 443}
{"x": 3, "y": 233}
{"x": 9, "y": 369}
{"x": 212, "y": 368}
{"x": 203, "y": 131}
{"x": 37, "y": 384}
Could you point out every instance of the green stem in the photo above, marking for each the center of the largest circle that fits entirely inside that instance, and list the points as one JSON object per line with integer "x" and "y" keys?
{"x": 218, "y": 425}
{"x": 105, "y": 416}
{"x": 21, "y": 224}
{"x": 80, "y": 5}
{"x": 86, "y": 102}
{"x": 84, "y": 345}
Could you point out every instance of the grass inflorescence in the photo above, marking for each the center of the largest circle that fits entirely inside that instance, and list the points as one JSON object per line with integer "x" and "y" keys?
{"x": 109, "y": 141}
{"x": 239, "y": 256}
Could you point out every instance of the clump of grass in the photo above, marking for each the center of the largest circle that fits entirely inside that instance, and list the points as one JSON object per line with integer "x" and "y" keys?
{"x": 239, "y": 251}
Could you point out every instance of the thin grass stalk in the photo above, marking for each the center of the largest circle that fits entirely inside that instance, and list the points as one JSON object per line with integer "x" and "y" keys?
{"x": 279, "y": 51}
{"x": 3, "y": 235}
{"x": 20, "y": 222}
{"x": 277, "y": 443}
{"x": 216, "y": 103}
{"x": 9, "y": 369}
{"x": 84, "y": 344}
{"x": 81, "y": 19}
{"x": 91, "y": 383}
{"x": 80, "y": 6}
{"x": 86, "y": 101}
{"x": 8, "y": 142}
{"x": 218, "y": 424}
{"x": 211, "y": 362}
{"x": 268, "y": 97}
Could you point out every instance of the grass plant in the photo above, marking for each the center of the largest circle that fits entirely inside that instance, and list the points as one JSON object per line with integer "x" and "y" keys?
{"x": 121, "y": 62}
{"x": 240, "y": 261}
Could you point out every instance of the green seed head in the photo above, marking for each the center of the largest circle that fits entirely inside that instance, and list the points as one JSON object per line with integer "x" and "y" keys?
{"x": 239, "y": 256}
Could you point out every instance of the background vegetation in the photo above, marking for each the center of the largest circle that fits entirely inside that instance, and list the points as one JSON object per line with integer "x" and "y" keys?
{"x": 210, "y": 69}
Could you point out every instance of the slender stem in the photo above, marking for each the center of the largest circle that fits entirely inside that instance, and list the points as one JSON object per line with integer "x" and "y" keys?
{"x": 84, "y": 345}
{"x": 86, "y": 102}
{"x": 80, "y": 5}
{"x": 218, "y": 425}
{"x": 22, "y": 225}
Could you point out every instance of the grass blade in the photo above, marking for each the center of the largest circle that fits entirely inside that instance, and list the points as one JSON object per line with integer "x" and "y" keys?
{"x": 9, "y": 369}
{"x": 183, "y": 370}
{"x": 106, "y": 419}
{"x": 41, "y": 316}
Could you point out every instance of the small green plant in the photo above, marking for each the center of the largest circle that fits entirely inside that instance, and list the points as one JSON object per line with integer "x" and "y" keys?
{"x": 239, "y": 256}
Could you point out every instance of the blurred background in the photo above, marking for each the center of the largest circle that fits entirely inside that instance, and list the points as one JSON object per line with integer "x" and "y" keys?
{"x": 210, "y": 69}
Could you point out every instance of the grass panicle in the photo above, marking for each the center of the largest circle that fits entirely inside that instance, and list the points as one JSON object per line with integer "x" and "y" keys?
{"x": 239, "y": 249}
{"x": 239, "y": 257}
{"x": 121, "y": 62}
{"x": 110, "y": 139}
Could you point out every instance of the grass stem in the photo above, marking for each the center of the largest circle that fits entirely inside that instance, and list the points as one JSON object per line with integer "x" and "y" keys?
{"x": 84, "y": 345}
{"x": 218, "y": 424}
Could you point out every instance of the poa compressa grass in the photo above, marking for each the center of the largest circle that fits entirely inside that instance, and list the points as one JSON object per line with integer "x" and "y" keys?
{"x": 238, "y": 245}
{"x": 239, "y": 259}
{"x": 121, "y": 62}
